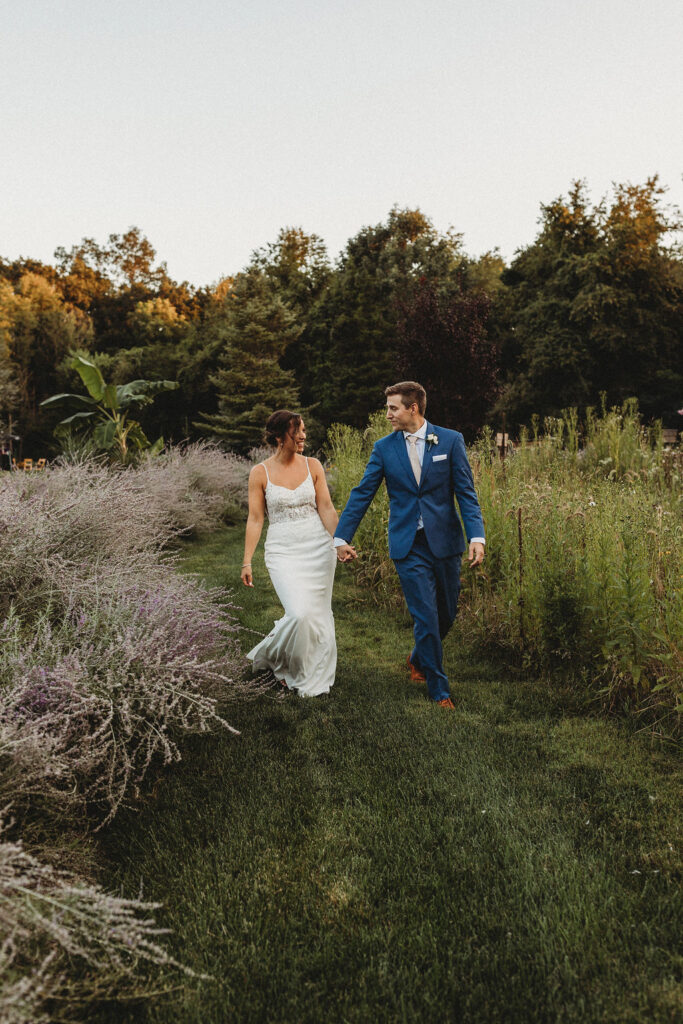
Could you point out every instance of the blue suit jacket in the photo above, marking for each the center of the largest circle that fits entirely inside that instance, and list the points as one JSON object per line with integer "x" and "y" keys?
{"x": 441, "y": 479}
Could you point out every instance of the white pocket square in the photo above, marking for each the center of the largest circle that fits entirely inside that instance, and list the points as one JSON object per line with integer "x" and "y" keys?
{"x": 438, "y": 458}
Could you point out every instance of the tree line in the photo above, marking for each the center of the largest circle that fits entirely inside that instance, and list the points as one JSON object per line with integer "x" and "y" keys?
{"x": 592, "y": 307}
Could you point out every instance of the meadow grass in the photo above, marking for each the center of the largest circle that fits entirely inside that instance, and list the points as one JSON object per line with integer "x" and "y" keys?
{"x": 366, "y": 856}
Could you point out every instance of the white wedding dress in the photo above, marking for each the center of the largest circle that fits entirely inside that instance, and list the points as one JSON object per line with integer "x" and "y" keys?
{"x": 301, "y": 560}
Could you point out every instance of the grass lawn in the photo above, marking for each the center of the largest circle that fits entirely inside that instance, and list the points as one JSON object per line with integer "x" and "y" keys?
{"x": 368, "y": 856}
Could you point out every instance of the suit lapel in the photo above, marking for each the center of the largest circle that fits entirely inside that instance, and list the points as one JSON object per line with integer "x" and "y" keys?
{"x": 402, "y": 454}
{"x": 427, "y": 459}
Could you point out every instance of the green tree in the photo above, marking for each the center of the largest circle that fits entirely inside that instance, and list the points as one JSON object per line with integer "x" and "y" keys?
{"x": 594, "y": 305}
{"x": 442, "y": 340}
{"x": 353, "y": 325}
{"x": 110, "y": 281}
{"x": 37, "y": 329}
{"x": 254, "y": 331}
{"x": 298, "y": 269}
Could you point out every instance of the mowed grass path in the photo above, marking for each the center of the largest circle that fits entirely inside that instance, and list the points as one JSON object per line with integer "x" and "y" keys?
{"x": 369, "y": 857}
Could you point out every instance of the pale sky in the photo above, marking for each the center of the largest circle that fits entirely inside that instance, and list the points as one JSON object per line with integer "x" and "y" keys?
{"x": 212, "y": 124}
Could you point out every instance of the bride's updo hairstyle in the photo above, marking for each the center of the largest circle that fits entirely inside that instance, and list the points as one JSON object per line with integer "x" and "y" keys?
{"x": 279, "y": 424}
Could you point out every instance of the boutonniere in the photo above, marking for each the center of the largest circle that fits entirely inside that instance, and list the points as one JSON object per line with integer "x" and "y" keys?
{"x": 432, "y": 439}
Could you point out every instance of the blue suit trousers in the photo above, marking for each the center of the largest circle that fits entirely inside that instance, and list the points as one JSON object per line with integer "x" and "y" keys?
{"x": 431, "y": 587}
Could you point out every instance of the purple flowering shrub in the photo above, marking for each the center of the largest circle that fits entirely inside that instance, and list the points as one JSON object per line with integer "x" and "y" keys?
{"x": 52, "y": 919}
{"x": 199, "y": 485}
{"x": 109, "y": 654}
{"x": 109, "y": 657}
{"x": 114, "y": 685}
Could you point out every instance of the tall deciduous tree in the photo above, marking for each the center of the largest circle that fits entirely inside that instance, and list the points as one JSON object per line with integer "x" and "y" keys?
{"x": 595, "y": 306}
{"x": 442, "y": 341}
{"x": 37, "y": 329}
{"x": 109, "y": 281}
{"x": 354, "y": 323}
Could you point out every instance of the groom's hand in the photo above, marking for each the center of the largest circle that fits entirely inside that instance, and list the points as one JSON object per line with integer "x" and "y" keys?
{"x": 476, "y": 553}
{"x": 346, "y": 553}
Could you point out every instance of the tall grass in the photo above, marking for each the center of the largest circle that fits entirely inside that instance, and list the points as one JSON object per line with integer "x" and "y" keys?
{"x": 584, "y": 559}
{"x": 110, "y": 657}
{"x": 347, "y": 452}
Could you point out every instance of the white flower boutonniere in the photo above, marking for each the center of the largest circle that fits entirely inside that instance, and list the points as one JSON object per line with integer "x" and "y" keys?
{"x": 432, "y": 439}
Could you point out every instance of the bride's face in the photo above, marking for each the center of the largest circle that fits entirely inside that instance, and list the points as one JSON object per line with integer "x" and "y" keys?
{"x": 295, "y": 440}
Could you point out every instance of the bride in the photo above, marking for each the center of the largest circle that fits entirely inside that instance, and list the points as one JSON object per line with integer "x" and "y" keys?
{"x": 301, "y": 649}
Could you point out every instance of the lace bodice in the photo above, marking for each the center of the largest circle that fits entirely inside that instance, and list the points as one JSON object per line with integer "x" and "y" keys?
{"x": 286, "y": 505}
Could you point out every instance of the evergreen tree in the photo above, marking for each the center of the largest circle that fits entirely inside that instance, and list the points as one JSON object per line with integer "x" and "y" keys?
{"x": 250, "y": 383}
{"x": 299, "y": 271}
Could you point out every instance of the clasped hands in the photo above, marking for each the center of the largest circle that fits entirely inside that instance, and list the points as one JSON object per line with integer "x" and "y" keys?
{"x": 346, "y": 552}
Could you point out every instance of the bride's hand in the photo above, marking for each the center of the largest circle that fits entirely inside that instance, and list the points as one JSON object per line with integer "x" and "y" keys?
{"x": 246, "y": 575}
{"x": 346, "y": 553}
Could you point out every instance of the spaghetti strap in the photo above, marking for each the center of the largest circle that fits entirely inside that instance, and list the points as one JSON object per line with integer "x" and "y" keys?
{"x": 308, "y": 466}
{"x": 266, "y": 469}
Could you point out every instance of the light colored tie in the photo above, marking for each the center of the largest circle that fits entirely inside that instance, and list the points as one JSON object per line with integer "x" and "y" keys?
{"x": 414, "y": 457}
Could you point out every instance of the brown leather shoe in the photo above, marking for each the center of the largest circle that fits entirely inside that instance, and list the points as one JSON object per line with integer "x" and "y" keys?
{"x": 446, "y": 703}
{"x": 415, "y": 675}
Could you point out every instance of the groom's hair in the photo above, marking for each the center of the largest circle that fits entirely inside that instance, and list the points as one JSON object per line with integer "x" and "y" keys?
{"x": 278, "y": 424}
{"x": 410, "y": 391}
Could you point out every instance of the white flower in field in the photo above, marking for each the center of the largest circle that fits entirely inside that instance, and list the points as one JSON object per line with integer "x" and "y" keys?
{"x": 592, "y": 504}
{"x": 636, "y": 872}
{"x": 651, "y": 796}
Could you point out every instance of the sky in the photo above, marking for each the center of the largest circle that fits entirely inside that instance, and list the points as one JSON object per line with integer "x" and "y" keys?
{"x": 211, "y": 124}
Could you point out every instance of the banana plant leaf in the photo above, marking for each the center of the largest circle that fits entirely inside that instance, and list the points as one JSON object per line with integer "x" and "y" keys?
{"x": 137, "y": 436}
{"x": 76, "y": 416}
{"x": 109, "y": 397}
{"x": 104, "y": 434}
{"x": 90, "y": 375}
{"x": 53, "y": 399}
{"x": 142, "y": 391}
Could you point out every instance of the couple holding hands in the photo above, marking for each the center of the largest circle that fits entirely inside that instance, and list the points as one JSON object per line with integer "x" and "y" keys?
{"x": 424, "y": 468}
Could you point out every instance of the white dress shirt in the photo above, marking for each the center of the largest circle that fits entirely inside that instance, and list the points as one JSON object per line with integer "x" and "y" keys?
{"x": 421, "y": 436}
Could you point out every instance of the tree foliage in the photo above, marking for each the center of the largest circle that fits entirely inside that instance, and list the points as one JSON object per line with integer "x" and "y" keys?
{"x": 594, "y": 305}
{"x": 256, "y": 329}
{"x": 442, "y": 341}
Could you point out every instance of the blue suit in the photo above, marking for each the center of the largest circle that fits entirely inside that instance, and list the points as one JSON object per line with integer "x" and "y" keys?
{"x": 428, "y": 560}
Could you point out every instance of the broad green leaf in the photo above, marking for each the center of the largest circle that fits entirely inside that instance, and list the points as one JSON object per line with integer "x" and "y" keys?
{"x": 53, "y": 399}
{"x": 90, "y": 375}
{"x": 137, "y": 436}
{"x": 142, "y": 391}
{"x": 158, "y": 447}
{"x": 104, "y": 434}
{"x": 76, "y": 416}
{"x": 109, "y": 397}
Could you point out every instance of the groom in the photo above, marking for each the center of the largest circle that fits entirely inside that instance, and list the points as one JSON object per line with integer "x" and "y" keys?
{"x": 423, "y": 466}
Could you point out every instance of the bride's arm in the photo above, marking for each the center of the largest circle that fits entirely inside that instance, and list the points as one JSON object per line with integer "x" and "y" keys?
{"x": 326, "y": 509}
{"x": 257, "y": 511}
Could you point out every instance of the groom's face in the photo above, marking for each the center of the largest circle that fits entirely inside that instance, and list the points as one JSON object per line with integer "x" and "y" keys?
{"x": 400, "y": 417}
